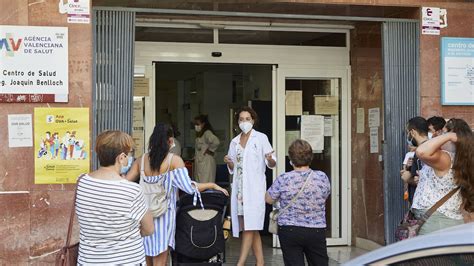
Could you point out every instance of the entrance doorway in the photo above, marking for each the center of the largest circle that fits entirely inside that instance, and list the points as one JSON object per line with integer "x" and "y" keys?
{"x": 264, "y": 73}
{"x": 186, "y": 90}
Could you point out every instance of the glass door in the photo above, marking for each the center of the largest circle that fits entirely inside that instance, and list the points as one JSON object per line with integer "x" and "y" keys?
{"x": 313, "y": 105}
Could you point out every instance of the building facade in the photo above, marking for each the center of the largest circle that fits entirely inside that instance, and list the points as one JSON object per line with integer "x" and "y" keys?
{"x": 381, "y": 40}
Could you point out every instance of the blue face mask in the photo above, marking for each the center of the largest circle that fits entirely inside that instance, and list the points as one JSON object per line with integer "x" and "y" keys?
{"x": 124, "y": 170}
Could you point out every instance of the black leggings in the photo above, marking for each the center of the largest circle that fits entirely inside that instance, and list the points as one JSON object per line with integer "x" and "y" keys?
{"x": 297, "y": 242}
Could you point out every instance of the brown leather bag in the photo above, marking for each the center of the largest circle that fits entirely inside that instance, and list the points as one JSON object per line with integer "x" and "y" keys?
{"x": 68, "y": 254}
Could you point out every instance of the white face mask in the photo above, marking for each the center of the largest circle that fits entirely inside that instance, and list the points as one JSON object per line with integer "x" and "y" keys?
{"x": 197, "y": 128}
{"x": 246, "y": 126}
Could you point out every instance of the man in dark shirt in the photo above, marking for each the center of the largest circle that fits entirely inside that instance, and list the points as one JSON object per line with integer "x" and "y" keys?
{"x": 417, "y": 133}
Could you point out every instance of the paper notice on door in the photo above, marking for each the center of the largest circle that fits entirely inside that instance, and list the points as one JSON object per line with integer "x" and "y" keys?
{"x": 294, "y": 102}
{"x": 360, "y": 120}
{"x": 374, "y": 117}
{"x": 141, "y": 87}
{"x": 312, "y": 130}
{"x": 328, "y": 126}
{"x": 291, "y": 136}
{"x": 374, "y": 140}
{"x": 326, "y": 105}
{"x": 138, "y": 128}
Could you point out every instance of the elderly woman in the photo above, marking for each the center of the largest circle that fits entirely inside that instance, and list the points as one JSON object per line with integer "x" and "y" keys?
{"x": 111, "y": 211}
{"x": 302, "y": 195}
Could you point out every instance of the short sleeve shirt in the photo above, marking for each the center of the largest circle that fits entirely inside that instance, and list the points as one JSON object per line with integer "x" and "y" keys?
{"x": 109, "y": 214}
{"x": 309, "y": 209}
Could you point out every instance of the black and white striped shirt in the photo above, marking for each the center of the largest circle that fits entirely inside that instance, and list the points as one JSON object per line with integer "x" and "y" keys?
{"x": 109, "y": 214}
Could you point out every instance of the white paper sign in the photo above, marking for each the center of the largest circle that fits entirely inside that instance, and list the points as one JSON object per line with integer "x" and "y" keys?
{"x": 20, "y": 131}
{"x": 328, "y": 126}
{"x": 138, "y": 128}
{"x": 312, "y": 130}
{"x": 78, "y": 11}
{"x": 360, "y": 120}
{"x": 374, "y": 117}
{"x": 374, "y": 140}
{"x": 430, "y": 18}
{"x": 443, "y": 18}
{"x": 33, "y": 64}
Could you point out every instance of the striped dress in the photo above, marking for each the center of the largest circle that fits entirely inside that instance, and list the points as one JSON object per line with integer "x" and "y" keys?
{"x": 109, "y": 214}
{"x": 165, "y": 225}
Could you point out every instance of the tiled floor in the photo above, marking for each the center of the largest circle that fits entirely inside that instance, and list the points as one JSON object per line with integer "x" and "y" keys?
{"x": 274, "y": 257}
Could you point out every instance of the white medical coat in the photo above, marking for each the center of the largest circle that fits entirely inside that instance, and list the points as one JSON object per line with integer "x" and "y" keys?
{"x": 254, "y": 181}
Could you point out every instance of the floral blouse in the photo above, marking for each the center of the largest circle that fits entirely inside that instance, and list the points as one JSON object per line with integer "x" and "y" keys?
{"x": 309, "y": 209}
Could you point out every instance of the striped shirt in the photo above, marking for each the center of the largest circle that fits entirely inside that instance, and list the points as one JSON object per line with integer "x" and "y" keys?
{"x": 109, "y": 214}
{"x": 165, "y": 225}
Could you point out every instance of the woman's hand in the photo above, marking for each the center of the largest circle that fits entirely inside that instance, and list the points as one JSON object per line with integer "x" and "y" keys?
{"x": 227, "y": 159}
{"x": 218, "y": 188}
{"x": 269, "y": 158}
{"x": 453, "y": 137}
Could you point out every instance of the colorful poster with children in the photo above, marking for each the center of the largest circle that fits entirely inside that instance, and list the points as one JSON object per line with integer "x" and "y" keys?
{"x": 61, "y": 144}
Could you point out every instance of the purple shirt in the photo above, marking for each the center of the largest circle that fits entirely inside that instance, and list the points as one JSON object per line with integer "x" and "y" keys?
{"x": 309, "y": 209}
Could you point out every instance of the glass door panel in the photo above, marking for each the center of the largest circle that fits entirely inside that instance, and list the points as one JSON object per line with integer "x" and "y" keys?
{"x": 318, "y": 97}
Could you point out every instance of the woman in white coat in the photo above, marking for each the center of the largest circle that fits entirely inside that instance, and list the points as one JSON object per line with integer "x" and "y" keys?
{"x": 206, "y": 146}
{"x": 249, "y": 154}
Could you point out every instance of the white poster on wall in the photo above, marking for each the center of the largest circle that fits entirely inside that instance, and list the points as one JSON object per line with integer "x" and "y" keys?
{"x": 20, "y": 131}
{"x": 374, "y": 117}
{"x": 78, "y": 11}
{"x": 33, "y": 64}
{"x": 374, "y": 140}
{"x": 430, "y": 20}
{"x": 360, "y": 120}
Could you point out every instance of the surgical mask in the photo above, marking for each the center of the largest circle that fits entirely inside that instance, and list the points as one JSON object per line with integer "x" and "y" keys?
{"x": 246, "y": 126}
{"x": 126, "y": 168}
{"x": 197, "y": 128}
{"x": 430, "y": 135}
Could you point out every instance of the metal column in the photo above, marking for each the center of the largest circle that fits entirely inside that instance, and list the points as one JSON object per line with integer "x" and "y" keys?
{"x": 402, "y": 100}
{"x": 114, "y": 42}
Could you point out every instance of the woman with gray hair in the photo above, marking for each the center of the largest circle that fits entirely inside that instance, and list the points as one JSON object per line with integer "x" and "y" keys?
{"x": 302, "y": 194}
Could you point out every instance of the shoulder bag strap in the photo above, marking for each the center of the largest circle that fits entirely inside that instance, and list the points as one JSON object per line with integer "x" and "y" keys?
{"x": 169, "y": 162}
{"x": 297, "y": 195}
{"x": 438, "y": 204}
{"x": 142, "y": 166}
{"x": 73, "y": 211}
